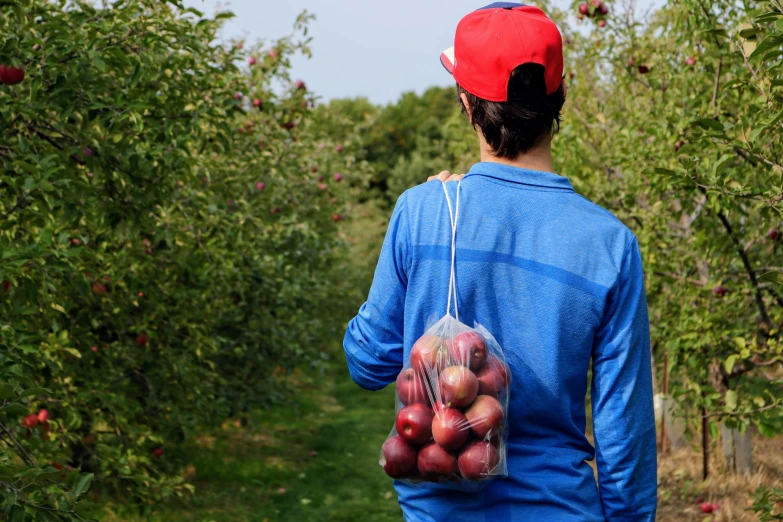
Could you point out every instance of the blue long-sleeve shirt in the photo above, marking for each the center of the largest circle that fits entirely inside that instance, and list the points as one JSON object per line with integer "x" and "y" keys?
{"x": 558, "y": 281}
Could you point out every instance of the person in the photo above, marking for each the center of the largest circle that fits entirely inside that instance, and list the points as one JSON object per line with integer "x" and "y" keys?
{"x": 555, "y": 278}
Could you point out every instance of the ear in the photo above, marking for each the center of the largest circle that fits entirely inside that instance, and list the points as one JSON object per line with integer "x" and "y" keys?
{"x": 466, "y": 104}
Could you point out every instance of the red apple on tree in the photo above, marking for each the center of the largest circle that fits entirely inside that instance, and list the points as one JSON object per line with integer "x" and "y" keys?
{"x": 338, "y": 177}
{"x": 485, "y": 416}
{"x": 583, "y": 9}
{"x": 435, "y": 462}
{"x": 252, "y": 60}
{"x": 99, "y": 289}
{"x": 43, "y": 416}
{"x": 773, "y": 234}
{"x": 450, "y": 428}
{"x": 643, "y": 69}
{"x": 300, "y": 85}
{"x": 260, "y": 185}
{"x": 411, "y": 388}
{"x": 690, "y": 61}
{"x": 414, "y": 424}
{"x": 719, "y": 291}
{"x": 339, "y": 148}
{"x": 468, "y": 349}
{"x": 458, "y": 386}
{"x": 6, "y": 286}
{"x": 31, "y": 421}
{"x": 478, "y": 460}
{"x": 398, "y": 458}
{"x": 602, "y": 23}
{"x": 257, "y": 102}
{"x": 157, "y": 452}
{"x": 603, "y": 9}
{"x": 492, "y": 378}
{"x": 141, "y": 340}
{"x": 11, "y": 75}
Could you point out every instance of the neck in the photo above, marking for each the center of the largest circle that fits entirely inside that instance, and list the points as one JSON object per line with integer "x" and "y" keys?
{"x": 537, "y": 158}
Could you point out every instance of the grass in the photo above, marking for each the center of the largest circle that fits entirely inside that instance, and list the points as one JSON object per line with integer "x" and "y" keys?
{"x": 315, "y": 460}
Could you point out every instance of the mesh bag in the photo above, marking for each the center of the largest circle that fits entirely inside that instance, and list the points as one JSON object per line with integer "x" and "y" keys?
{"x": 451, "y": 402}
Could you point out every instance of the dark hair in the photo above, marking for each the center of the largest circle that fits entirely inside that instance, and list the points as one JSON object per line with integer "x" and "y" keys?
{"x": 514, "y": 127}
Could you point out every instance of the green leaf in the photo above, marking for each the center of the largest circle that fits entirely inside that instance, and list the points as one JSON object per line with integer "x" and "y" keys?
{"x": 6, "y": 391}
{"x": 729, "y": 363}
{"x": 767, "y": 429}
{"x": 720, "y": 164}
{"x": 16, "y": 514}
{"x": 708, "y": 124}
{"x": 82, "y": 484}
{"x": 772, "y": 277}
{"x": 770, "y": 42}
{"x": 14, "y": 409}
{"x": 731, "y": 400}
{"x": 32, "y": 392}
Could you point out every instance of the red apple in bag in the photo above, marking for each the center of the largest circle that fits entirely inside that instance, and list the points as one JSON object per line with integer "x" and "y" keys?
{"x": 493, "y": 377}
{"x": 399, "y": 458}
{"x": 468, "y": 349}
{"x": 414, "y": 424}
{"x": 450, "y": 428}
{"x": 427, "y": 353}
{"x": 478, "y": 460}
{"x": 435, "y": 462}
{"x": 458, "y": 386}
{"x": 411, "y": 388}
{"x": 485, "y": 416}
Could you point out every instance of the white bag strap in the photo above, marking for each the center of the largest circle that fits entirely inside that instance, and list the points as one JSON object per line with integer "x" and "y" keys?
{"x": 452, "y": 279}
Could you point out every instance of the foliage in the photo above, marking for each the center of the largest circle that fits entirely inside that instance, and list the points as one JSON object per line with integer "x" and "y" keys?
{"x": 767, "y": 504}
{"x": 168, "y": 248}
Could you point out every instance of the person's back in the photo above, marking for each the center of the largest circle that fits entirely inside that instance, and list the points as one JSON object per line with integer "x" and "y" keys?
{"x": 558, "y": 281}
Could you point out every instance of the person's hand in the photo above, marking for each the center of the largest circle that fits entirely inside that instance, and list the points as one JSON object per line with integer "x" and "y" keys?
{"x": 447, "y": 176}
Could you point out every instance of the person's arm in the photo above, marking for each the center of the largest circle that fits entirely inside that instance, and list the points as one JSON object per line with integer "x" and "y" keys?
{"x": 623, "y": 418}
{"x": 373, "y": 343}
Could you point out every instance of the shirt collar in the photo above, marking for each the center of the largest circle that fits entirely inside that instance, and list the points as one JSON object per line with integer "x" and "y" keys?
{"x": 536, "y": 178}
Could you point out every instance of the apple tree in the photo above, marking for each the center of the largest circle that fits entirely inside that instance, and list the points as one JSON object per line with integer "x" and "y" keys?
{"x": 170, "y": 242}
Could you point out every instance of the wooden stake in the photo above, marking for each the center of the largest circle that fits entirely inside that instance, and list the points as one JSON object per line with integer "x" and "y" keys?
{"x": 664, "y": 441}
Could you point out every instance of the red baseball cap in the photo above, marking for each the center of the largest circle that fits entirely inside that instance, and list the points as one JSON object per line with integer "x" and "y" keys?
{"x": 494, "y": 40}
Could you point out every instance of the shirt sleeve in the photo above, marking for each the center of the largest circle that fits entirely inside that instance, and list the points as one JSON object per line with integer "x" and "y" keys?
{"x": 623, "y": 418}
{"x": 373, "y": 343}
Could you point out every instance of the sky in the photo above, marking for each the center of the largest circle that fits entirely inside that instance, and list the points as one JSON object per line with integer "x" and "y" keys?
{"x": 367, "y": 48}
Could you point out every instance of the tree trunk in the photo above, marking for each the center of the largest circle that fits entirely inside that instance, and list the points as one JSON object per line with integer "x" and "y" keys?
{"x": 737, "y": 450}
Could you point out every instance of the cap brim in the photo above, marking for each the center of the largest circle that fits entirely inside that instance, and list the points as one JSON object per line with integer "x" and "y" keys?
{"x": 447, "y": 59}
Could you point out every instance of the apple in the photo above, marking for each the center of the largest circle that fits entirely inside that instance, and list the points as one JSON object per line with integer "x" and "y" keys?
{"x": 99, "y": 288}
{"x": 583, "y": 9}
{"x": 435, "y": 462}
{"x": 257, "y": 102}
{"x": 428, "y": 353}
{"x": 602, "y": 23}
{"x": 719, "y": 291}
{"x": 603, "y": 9}
{"x": 450, "y": 428}
{"x": 398, "y": 458}
{"x": 31, "y": 421}
{"x": 240, "y": 45}
{"x": 478, "y": 460}
{"x": 690, "y": 61}
{"x": 6, "y": 286}
{"x": 157, "y": 452}
{"x": 76, "y": 241}
{"x": 338, "y": 177}
{"x": 87, "y": 152}
{"x": 315, "y": 168}
{"x": 141, "y": 340}
{"x": 707, "y": 507}
{"x": 43, "y": 416}
{"x": 492, "y": 378}
{"x": 643, "y": 69}
{"x": 458, "y": 386}
{"x": 11, "y": 75}
{"x": 411, "y": 388}
{"x": 337, "y": 217}
{"x": 260, "y": 185}
{"x": 276, "y": 210}
{"x": 140, "y": 294}
{"x": 468, "y": 349}
{"x": 485, "y": 416}
{"x": 289, "y": 125}
{"x": 300, "y": 85}
{"x": 340, "y": 148}
{"x": 94, "y": 348}
{"x": 322, "y": 186}
{"x": 773, "y": 234}
{"x": 252, "y": 60}
{"x": 414, "y": 424}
